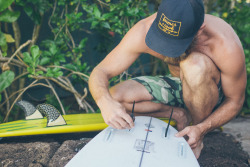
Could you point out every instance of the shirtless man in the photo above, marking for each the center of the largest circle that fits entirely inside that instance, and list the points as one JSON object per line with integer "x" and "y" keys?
{"x": 207, "y": 85}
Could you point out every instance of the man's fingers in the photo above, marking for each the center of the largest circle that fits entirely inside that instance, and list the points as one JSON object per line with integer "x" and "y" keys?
{"x": 182, "y": 133}
{"x": 113, "y": 126}
{"x": 116, "y": 125}
{"x": 192, "y": 142}
{"x": 129, "y": 120}
{"x": 123, "y": 123}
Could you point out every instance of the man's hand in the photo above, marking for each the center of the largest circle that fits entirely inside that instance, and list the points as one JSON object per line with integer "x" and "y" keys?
{"x": 195, "y": 138}
{"x": 115, "y": 115}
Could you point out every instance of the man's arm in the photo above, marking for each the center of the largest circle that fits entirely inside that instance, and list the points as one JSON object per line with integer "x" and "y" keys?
{"x": 117, "y": 61}
{"x": 233, "y": 79}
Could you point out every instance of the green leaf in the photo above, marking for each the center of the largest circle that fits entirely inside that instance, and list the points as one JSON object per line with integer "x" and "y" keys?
{"x": 71, "y": 67}
{"x": 9, "y": 38}
{"x": 49, "y": 72}
{"x": 40, "y": 72}
{"x": 8, "y": 16}
{"x": 93, "y": 24}
{"x": 53, "y": 49}
{"x": 46, "y": 54}
{"x": 45, "y": 60}
{"x": 105, "y": 25}
{"x": 4, "y": 54}
{"x": 34, "y": 50}
{"x": 56, "y": 69}
{"x": 97, "y": 12}
{"x": 33, "y": 15}
{"x": 5, "y": 4}
{"x": 28, "y": 10}
{"x": 6, "y": 78}
{"x": 58, "y": 74}
{"x": 27, "y": 58}
{"x": 82, "y": 43}
{"x": 107, "y": 15}
{"x": 61, "y": 58}
{"x": 4, "y": 49}
{"x": 2, "y": 39}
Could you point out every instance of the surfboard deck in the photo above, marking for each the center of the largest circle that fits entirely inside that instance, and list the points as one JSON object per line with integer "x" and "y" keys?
{"x": 143, "y": 146}
{"x": 75, "y": 123}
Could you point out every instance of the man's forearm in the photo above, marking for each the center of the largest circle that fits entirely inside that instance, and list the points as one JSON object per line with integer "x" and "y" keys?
{"x": 226, "y": 112}
{"x": 98, "y": 84}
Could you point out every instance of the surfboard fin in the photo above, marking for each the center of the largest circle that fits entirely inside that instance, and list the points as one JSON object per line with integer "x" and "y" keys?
{"x": 132, "y": 112}
{"x": 54, "y": 118}
{"x": 166, "y": 133}
{"x": 29, "y": 110}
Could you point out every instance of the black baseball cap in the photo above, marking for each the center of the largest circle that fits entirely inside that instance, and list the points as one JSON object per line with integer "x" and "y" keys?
{"x": 175, "y": 26}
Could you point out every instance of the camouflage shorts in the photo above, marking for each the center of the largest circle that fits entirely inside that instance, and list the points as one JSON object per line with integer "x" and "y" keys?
{"x": 168, "y": 90}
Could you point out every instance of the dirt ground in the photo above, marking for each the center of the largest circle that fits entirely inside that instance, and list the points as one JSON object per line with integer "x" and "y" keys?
{"x": 221, "y": 150}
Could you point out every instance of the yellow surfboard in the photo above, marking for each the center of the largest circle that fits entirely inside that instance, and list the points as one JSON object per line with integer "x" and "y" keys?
{"x": 75, "y": 123}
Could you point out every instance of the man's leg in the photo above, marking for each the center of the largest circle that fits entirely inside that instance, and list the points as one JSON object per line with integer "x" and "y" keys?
{"x": 199, "y": 77}
{"x": 130, "y": 90}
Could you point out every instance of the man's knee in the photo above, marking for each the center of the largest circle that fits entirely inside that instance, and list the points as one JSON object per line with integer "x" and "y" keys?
{"x": 198, "y": 69}
{"x": 129, "y": 91}
{"x": 116, "y": 93}
{"x": 123, "y": 92}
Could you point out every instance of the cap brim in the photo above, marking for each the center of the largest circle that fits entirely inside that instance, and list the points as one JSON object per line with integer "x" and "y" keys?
{"x": 166, "y": 46}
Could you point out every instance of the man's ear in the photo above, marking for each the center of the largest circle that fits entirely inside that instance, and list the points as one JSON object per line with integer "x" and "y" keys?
{"x": 202, "y": 26}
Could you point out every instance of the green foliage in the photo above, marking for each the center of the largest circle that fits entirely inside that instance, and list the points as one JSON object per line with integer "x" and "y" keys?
{"x": 6, "y": 16}
{"x": 53, "y": 54}
{"x": 6, "y": 78}
{"x": 112, "y": 18}
{"x": 2, "y": 39}
{"x": 35, "y": 9}
{"x": 35, "y": 59}
{"x": 32, "y": 60}
{"x": 4, "y": 4}
{"x": 116, "y": 17}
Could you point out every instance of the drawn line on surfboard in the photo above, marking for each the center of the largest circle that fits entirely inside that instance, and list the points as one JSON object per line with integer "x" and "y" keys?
{"x": 145, "y": 142}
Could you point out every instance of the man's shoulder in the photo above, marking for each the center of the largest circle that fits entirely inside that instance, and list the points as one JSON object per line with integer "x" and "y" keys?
{"x": 135, "y": 37}
{"x": 212, "y": 19}
{"x": 223, "y": 37}
{"x": 141, "y": 27}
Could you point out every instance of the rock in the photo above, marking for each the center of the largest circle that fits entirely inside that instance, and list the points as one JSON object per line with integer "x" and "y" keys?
{"x": 34, "y": 154}
{"x": 67, "y": 151}
{"x": 35, "y": 164}
{"x": 220, "y": 150}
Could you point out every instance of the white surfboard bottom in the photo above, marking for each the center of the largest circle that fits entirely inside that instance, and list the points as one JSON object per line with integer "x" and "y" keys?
{"x": 143, "y": 146}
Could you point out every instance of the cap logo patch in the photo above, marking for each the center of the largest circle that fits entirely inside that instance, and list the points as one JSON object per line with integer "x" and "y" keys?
{"x": 169, "y": 26}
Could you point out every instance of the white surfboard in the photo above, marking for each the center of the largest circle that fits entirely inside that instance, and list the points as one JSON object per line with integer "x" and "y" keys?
{"x": 143, "y": 146}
